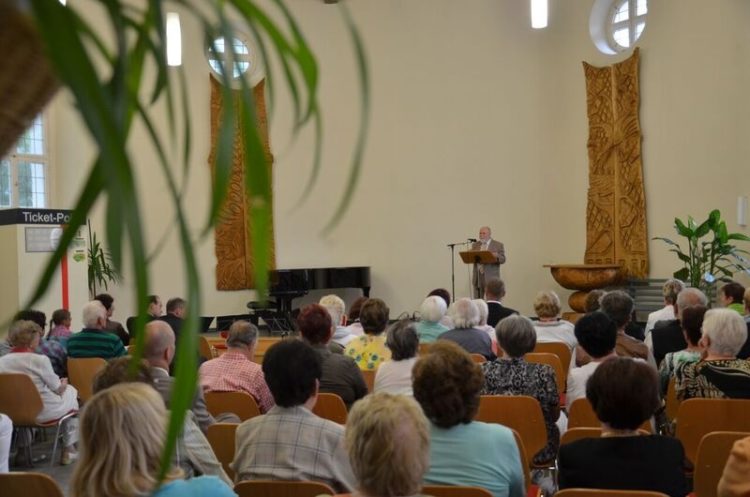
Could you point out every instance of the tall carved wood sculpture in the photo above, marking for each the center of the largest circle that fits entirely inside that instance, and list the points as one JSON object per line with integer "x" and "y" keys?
{"x": 616, "y": 212}
{"x": 235, "y": 263}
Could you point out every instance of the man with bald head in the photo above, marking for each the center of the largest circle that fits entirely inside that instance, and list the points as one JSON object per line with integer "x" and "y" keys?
{"x": 159, "y": 352}
{"x": 485, "y": 272}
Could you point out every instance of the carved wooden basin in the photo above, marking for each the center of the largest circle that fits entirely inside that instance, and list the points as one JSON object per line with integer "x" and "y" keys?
{"x": 585, "y": 277}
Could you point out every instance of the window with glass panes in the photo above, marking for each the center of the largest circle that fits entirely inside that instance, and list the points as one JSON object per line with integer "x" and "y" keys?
{"x": 23, "y": 172}
{"x": 627, "y": 22}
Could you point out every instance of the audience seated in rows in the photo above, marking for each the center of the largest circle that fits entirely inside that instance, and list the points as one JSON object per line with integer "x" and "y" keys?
{"x": 719, "y": 374}
{"x": 511, "y": 374}
{"x": 340, "y": 374}
{"x": 388, "y": 442}
{"x": 59, "y": 326}
{"x": 133, "y": 419}
{"x": 624, "y": 393}
{"x": 597, "y": 336}
{"x": 431, "y": 313}
{"x": 670, "y": 290}
{"x": 369, "y": 351}
{"x": 290, "y": 442}
{"x": 446, "y": 296}
{"x": 465, "y": 317}
{"x": 691, "y": 323}
{"x": 394, "y": 376}
{"x": 159, "y": 352}
{"x": 667, "y": 336}
{"x": 482, "y": 324}
{"x": 593, "y": 298}
{"x": 194, "y": 454}
{"x": 549, "y": 327}
{"x": 234, "y": 370}
{"x": 94, "y": 340}
{"x": 53, "y": 348}
{"x": 447, "y": 383}
{"x": 494, "y": 293}
{"x": 113, "y": 326}
{"x": 337, "y": 309}
{"x": 731, "y": 295}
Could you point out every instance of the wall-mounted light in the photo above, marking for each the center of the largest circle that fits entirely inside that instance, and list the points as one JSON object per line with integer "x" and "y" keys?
{"x": 742, "y": 210}
{"x": 538, "y": 14}
{"x": 174, "y": 39}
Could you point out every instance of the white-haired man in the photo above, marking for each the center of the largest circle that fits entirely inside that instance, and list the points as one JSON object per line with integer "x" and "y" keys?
{"x": 337, "y": 310}
{"x": 94, "y": 340}
{"x": 465, "y": 315}
{"x": 483, "y": 272}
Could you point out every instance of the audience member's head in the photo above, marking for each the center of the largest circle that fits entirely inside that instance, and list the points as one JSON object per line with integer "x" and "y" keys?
{"x": 118, "y": 371}
{"x": 108, "y": 302}
{"x": 494, "y": 289}
{"x": 484, "y": 311}
{"x": 94, "y": 315}
{"x": 433, "y": 309}
{"x": 596, "y": 334}
{"x": 618, "y": 305}
{"x": 547, "y": 304}
{"x": 133, "y": 418}
{"x": 688, "y": 298}
{"x": 292, "y": 370}
{"x": 154, "y": 306}
{"x": 402, "y": 340}
{"x": 355, "y": 309}
{"x": 515, "y": 335}
{"x": 443, "y": 294}
{"x": 388, "y": 441}
{"x": 731, "y": 293}
{"x": 464, "y": 313}
{"x": 671, "y": 290}
{"x": 61, "y": 317}
{"x": 243, "y": 336}
{"x": 176, "y": 307}
{"x": 591, "y": 303}
{"x": 336, "y": 308}
{"x": 25, "y": 334}
{"x": 315, "y": 324}
{"x": 692, "y": 324}
{"x": 623, "y": 392}
{"x": 32, "y": 315}
{"x": 374, "y": 316}
{"x": 447, "y": 383}
{"x": 160, "y": 344}
{"x": 724, "y": 332}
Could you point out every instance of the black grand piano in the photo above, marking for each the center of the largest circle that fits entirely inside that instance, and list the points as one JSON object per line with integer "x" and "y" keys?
{"x": 285, "y": 285}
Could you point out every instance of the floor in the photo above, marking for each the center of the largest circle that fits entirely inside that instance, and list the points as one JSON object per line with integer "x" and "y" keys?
{"x": 43, "y": 447}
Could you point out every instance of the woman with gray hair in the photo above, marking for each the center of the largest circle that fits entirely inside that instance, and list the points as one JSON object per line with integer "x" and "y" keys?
{"x": 394, "y": 376}
{"x": 719, "y": 374}
{"x": 512, "y": 375}
{"x": 465, "y": 316}
{"x": 431, "y": 313}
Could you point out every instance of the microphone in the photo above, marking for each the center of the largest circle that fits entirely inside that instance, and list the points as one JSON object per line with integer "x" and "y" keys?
{"x": 473, "y": 240}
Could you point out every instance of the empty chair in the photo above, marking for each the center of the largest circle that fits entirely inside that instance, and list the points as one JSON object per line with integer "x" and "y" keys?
{"x": 713, "y": 453}
{"x": 29, "y": 485}
{"x": 221, "y": 438}
{"x": 697, "y": 417}
{"x": 278, "y": 488}
{"x": 81, "y": 373}
{"x": 239, "y": 403}
{"x": 331, "y": 407}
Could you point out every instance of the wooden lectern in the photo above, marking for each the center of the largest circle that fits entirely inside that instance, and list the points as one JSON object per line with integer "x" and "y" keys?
{"x": 477, "y": 257}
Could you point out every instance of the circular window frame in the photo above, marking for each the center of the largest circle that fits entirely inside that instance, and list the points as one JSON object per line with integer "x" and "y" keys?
{"x": 602, "y": 25}
{"x": 253, "y": 74}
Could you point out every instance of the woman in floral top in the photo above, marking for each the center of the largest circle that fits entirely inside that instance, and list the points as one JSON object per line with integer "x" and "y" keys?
{"x": 512, "y": 375}
{"x": 369, "y": 351}
{"x": 691, "y": 322}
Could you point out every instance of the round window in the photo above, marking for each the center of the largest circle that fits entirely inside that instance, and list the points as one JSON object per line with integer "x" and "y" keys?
{"x": 615, "y": 25}
{"x": 236, "y": 56}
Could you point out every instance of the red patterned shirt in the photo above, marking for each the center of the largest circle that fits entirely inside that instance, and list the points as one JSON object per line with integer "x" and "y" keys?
{"x": 233, "y": 372}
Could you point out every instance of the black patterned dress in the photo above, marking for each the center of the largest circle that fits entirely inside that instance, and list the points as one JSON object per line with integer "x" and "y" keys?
{"x": 517, "y": 377}
{"x": 720, "y": 379}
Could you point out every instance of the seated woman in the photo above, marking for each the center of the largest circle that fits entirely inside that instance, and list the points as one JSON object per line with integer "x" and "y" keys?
{"x": 431, "y": 311}
{"x": 463, "y": 451}
{"x": 484, "y": 312}
{"x": 512, "y": 375}
{"x": 393, "y": 462}
{"x": 369, "y": 350}
{"x": 624, "y": 393}
{"x": 549, "y": 327}
{"x": 58, "y": 398}
{"x": 691, "y": 323}
{"x": 394, "y": 376}
{"x": 719, "y": 375}
{"x": 59, "y": 326}
{"x": 133, "y": 419}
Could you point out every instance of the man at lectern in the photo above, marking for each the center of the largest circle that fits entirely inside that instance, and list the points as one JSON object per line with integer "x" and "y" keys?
{"x": 484, "y": 272}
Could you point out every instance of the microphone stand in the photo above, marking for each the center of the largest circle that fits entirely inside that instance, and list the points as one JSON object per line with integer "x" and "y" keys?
{"x": 452, "y": 246}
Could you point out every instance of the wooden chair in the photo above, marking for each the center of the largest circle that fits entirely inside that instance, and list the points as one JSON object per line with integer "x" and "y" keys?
{"x": 582, "y": 415}
{"x": 519, "y": 412}
{"x": 29, "y": 485}
{"x": 22, "y": 403}
{"x": 221, "y": 438}
{"x": 205, "y": 350}
{"x": 560, "y": 349}
{"x": 713, "y": 453}
{"x": 478, "y": 358}
{"x": 239, "y": 403}
{"x": 574, "y": 434}
{"x": 454, "y": 491}
{"x": 369, "y": 377}
{"x": 697, "y": 417}
{"x": 330, "y": 406}
{"x": 81, "y": 373}
{"x": 278, "y": 488}
{"x": 531, "y": 489}
{"x": 671, "y": 403}
{"x": 554, "y": 362}
{"x": 599, "y": 492}
{"x": 424, "y": 348}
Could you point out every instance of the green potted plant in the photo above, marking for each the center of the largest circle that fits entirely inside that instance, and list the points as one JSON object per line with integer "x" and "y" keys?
{"x": 101, "y": 270}
{"x": 711, "y": 254}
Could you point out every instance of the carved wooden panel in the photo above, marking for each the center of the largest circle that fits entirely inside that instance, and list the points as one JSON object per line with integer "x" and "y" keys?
{"x": 616, "y": 212}
{"x": 234, "y": 258}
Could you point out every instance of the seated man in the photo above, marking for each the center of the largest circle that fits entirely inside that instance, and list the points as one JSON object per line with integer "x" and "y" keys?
{"x": 337, "y": 309}
{"x": 669, "y": 291}
{"x": 159, "y": 353}
{"x": 667, "y": 335}
{"x": 113, "y": 326}
{"x": 94, "y": 340}
{"x": 597, "y": 335}
{"x": 465, "y": 317}
{"x": 175, "y": 315}
{"x": 290, "y": 442}
{"x": 234, "y": 370}
{"x": 494, "y": 292}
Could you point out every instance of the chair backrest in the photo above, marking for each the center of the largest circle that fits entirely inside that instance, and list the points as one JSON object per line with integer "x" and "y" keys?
{"x": 81, "y": 373}
{"x": 581, "y": 415}
{"x": 697, "y": 417}
{"x": 478, "y": 358}
{"x": 29, "y": 485}
{"x": 560, "y": 349}
{"x": 454, "y": 491}
{"x": 330, "y": 406}
{"x": 554, "y": 362}
{"x": 20, "y": 398}
{"x": 600, "y": 492}
{"x": 424, "y": 348}
{"x": 672, "y": 404}
{"x": 519, "y": 412}
{"x": 713, "y": 453}
{"x": 279, "y": 488}
{"x": 204, "y": 348}
{"x": 239, "y": 403}
{"x": 221, "y": 438}
{"x": 369, "y": 376}
{"x": 573, "y": 434}
{"x": 524, "y": 460}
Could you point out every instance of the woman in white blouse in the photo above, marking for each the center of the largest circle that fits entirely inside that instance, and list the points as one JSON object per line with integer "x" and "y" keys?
{"x": 394, "y": 376}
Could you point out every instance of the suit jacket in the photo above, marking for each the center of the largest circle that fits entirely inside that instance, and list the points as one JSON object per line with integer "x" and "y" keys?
{"x": 497, "y": 312}
{"x": 164, "y": 383}
{"x": 491, "y": 270}
{"x": 174, "y": 322}
{"x": 667, "y": 337}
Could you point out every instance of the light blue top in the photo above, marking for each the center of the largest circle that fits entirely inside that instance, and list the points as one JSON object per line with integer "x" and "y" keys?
{"x": 428, "y": 331}
{"x": 478, "y": 455}
{"x": 202, "y": 486}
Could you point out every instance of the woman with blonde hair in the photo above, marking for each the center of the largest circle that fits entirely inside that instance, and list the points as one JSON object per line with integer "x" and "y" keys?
{"x": 122, "y": 432}
{"x": 549, "y": 327}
